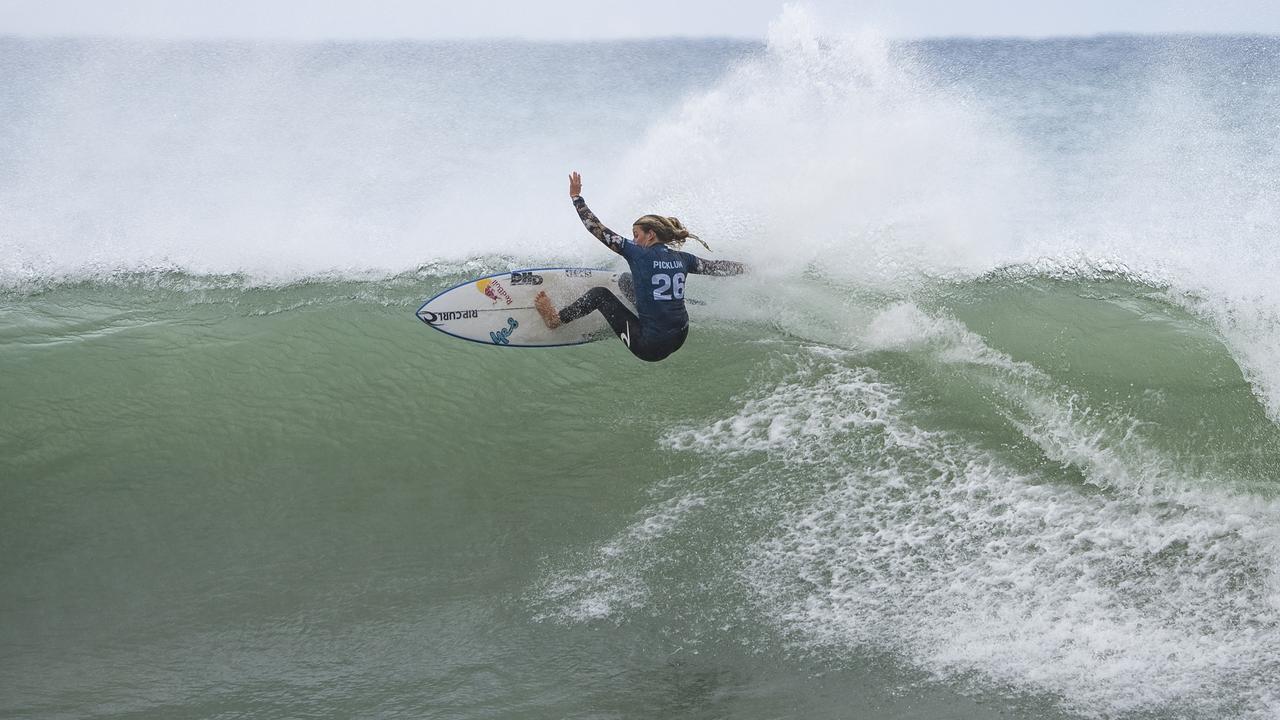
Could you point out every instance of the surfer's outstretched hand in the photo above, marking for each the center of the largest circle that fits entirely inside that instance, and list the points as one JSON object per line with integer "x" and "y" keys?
{"x": 575, "y": 184}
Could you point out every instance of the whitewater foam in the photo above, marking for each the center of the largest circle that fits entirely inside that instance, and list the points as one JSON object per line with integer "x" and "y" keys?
{"x": 612, "y": 579}
{"x": 853, "y": 530}
{"x": 934, "y": 548}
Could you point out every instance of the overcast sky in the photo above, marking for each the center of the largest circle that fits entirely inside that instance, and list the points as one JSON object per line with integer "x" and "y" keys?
{"x": 587, "y": 19}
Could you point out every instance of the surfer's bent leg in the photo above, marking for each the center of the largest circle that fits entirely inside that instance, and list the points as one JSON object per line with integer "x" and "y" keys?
{"x": 625, "y": 324}
{"x": 599, "y": 298}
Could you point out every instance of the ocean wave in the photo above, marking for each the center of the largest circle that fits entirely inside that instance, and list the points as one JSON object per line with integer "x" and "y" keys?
{"x": 845, "y": 520}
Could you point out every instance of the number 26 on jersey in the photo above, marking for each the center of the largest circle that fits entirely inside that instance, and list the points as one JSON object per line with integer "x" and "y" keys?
{"x": 668, "y": 287}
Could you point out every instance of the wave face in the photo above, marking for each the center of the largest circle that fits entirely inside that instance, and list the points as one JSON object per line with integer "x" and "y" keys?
{"x": 994, "y": 421}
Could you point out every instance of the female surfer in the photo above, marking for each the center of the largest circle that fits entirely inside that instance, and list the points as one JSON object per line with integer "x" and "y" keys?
{"x": 658, "y": 272}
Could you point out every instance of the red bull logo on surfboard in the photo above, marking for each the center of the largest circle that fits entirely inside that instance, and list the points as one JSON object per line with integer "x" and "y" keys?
{"x": 493, "y": 289}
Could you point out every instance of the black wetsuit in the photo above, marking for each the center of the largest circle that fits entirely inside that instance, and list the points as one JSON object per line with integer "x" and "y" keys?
{"x": 658, "y": 273}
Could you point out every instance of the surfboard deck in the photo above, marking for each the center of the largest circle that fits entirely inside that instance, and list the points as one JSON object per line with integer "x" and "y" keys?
{"x": 498, "y": 309}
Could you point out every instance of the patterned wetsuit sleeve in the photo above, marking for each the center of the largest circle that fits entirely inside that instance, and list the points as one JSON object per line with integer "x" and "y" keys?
{"x": 611, "y": 239}
{"x": 713, "y": 267}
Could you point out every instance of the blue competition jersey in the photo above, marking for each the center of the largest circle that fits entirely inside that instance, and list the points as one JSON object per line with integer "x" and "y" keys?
{"x": 659, "y": 274}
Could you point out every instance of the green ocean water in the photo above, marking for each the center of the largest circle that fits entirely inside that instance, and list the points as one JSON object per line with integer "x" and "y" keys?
{"x": 224, "y": 500}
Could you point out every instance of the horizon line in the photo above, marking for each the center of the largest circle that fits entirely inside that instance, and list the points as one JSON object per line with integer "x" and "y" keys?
{"x": 373, "y": 39}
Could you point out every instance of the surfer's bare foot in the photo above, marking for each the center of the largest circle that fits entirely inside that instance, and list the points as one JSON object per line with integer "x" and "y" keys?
{"x": 545, "y": 309}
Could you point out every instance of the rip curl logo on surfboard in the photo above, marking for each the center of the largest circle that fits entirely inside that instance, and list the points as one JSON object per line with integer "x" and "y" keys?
{"x": 436, "y": 318}
{"x": 494, "y": 290}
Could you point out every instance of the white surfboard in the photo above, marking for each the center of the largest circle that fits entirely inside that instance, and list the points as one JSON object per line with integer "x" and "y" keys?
{"x": 498, "y": 309}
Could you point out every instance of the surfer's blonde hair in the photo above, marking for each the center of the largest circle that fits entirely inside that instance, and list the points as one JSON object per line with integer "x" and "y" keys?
{"x": 670, "y": 231}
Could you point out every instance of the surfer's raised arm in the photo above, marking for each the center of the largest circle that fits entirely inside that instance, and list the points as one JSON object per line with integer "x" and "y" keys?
{"x": 611, "y": 239}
